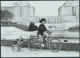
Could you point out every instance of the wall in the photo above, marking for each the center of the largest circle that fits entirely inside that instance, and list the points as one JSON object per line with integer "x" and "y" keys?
{"x": 77, "y": 11}
{"x": 31, "y": 11}
{"x": 65, "y": 11}
{"x": 16, "y": 11}
{"x": 25, "y": 11}
{"x": 69, "y": 12}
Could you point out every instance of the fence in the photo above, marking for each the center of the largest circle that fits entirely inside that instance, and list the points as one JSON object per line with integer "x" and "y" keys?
{"x": 36, "y": 19}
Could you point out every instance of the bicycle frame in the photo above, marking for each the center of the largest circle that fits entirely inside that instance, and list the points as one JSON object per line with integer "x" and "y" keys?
{"x": 48, "y": 40}
{"x": 49, "y": 43}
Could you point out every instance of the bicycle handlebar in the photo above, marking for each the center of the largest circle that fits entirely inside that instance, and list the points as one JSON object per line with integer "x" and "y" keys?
{"x": 49, "y": 32}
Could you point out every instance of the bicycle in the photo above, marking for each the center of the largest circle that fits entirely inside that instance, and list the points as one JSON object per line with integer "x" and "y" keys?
{"x": 53, "y": 43}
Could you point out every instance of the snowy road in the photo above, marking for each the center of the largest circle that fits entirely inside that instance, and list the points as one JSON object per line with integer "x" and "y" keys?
{"x": 25, "y": 52}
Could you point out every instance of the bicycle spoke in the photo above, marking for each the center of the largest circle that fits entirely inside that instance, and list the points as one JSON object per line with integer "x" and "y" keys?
{"x": 33, "y": 45}
{"x": 55, "y": 45}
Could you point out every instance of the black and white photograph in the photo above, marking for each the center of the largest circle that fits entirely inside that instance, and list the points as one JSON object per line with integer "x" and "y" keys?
{"x": 40, "y": 28}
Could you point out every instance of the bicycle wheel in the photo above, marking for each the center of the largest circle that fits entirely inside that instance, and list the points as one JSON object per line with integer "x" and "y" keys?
{"x": 15, "y": 48}
{"x": 33, "y": 44}
{"x": 55, "y": 45}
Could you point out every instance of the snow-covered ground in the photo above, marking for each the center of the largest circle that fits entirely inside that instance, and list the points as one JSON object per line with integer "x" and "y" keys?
{"x": 14, "y": 33}
{"x": 25, "y": 52}
{"x": 9, "y": 33}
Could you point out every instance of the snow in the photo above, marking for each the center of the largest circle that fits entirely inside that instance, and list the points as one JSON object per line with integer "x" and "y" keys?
{"x": 9, "y": 33}
{"x": 14, "y": 33}
{"x": 25, "y": 52}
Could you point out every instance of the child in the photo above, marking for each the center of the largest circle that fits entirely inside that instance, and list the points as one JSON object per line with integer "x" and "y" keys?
{"x": 42, "y": 29}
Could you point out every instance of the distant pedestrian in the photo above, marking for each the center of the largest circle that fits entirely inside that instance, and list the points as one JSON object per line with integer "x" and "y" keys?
{"x": 32, "y": 27}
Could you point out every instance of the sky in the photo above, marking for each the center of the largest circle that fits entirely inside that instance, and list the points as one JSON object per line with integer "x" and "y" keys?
{"x": 42, "y": 8}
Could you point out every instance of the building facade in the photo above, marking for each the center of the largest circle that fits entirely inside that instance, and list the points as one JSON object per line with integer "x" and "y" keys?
{"x": 20, "y": 9}
{"x": 69, "y": 10}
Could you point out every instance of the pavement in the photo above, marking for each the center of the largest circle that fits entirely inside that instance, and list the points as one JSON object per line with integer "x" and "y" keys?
{"x": 25, "y": 52}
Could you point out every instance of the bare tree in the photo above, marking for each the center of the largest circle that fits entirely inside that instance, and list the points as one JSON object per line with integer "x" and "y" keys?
{"x": 6, "y": 15}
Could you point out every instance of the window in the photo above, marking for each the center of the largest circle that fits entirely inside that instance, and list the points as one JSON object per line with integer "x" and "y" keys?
{"x": 20, "y": 11}
{"x": 73, "y": 11}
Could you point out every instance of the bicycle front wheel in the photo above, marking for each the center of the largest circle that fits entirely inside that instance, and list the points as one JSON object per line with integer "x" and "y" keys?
{"x": 55, "y": 45}
{"x": 33, "y": 45}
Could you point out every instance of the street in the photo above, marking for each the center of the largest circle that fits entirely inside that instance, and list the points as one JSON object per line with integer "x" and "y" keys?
{"x": 25, "y": 52}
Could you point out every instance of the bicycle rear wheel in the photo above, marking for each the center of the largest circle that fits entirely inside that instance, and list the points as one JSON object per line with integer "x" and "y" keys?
{"x": 33, "y": 44}
{"x": 55, "y": 45}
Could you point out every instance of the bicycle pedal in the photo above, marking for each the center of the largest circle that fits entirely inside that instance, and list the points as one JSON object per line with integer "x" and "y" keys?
{"x": 36, "y": 43}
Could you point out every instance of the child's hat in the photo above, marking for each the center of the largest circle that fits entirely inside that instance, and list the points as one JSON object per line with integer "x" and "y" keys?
{"x": 43, "y": 19}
